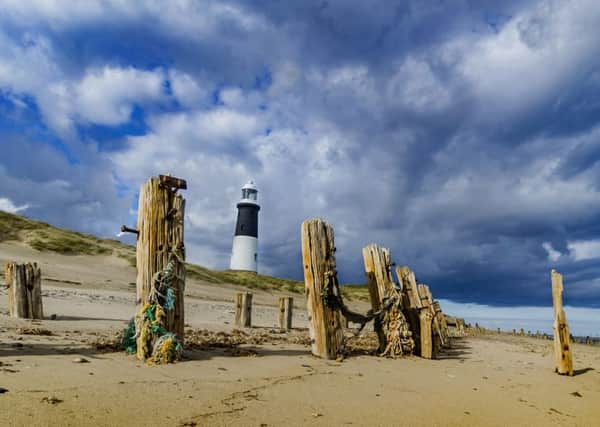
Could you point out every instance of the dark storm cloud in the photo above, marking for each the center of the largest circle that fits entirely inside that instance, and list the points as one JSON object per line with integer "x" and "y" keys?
{"x": 463, "y": 135}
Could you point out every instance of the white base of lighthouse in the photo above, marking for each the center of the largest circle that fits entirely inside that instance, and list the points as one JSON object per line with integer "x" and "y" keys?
{"x": 244, "y": 255}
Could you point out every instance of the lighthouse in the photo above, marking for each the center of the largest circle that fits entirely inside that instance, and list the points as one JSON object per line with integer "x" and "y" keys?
{"x": 243, "y": 254}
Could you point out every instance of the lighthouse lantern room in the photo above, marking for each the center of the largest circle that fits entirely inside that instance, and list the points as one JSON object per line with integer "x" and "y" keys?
{"x": 244, "y": 253}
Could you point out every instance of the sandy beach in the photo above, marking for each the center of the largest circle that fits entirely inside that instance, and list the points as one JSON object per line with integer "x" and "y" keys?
{"x": 65, "y": 370}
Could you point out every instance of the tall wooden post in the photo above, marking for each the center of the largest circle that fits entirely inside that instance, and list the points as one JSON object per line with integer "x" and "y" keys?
{"x": 286, "y": 307}
{"x": 427, "y": 347}
{"x": 409, "y": 286}
{"x": 562, "y": 347}
{"x": 24, "y": 286}
{"x": 160, "y": 260}
{"x": 427, "y": 301}
{"x": 318, "y": 258}
{"x": 411, "y": 303}
{"x": 393, "y": 331}
{"x": 243, "y": 309}
{"x": 441, "y": 319}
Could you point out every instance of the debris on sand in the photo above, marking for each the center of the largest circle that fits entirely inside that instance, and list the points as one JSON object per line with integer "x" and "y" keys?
{"x": 80, "y": 360}
{"x": 52, "y": 400}
{"x": 3, "y": 390}
{"x": 34, "y": 331}
{"x": 203, "y": 339}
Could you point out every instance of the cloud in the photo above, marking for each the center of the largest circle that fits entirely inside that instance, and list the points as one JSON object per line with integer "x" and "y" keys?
{"x": 553, "y": 254}
{"x": 584, "y": 250}
{"x": 107, "y": 96}
{"x": 469, "y": 149}
{"x": 7, "y": 205}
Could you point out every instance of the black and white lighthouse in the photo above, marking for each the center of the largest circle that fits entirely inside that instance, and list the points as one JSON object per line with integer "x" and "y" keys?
{"x": 244, "y": 255}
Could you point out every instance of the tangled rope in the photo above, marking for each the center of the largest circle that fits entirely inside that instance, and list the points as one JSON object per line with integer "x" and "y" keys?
{"x": 397, "y": 333}
{"x": 154, "y": 342}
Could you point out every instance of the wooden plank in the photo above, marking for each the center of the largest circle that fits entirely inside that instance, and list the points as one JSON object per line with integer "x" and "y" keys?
{"x": 286, "y": 306}
{"x": 24, "y": 289}
{"x": 318, "y": 258}
{"x": 562, "y": 346}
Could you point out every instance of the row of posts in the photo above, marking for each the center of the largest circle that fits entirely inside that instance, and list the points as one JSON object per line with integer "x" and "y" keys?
{"x": 243, "y": 311}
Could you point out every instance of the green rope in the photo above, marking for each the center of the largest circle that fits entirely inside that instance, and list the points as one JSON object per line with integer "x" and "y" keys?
{"x": 128, "y": 342}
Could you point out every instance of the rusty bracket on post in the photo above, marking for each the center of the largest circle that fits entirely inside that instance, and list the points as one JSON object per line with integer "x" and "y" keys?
{"x": 125, "y": 229}
{"x": 172, "y": 183}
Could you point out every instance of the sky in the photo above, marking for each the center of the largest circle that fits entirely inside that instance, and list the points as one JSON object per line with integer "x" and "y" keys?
{"x": 463, "y": 135}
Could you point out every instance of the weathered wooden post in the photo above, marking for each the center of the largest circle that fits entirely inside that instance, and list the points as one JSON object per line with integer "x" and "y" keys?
{"x": 286, "y": 307}
{"x": 320, "y": 276}
{"x": 562, "y": 347}
{"x": 24, "y": 288}
{"x": 393, "y": 331}
{"x": 427, "y": 302}
{"x": 427, "y": 346}
{"x": 160, "y": 260}
{"x": 243, "y": 309}
{"x": 409, "y": 286}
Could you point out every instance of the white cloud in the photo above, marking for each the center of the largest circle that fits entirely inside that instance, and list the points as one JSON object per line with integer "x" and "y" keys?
{"x": 531, "y": 57}
{"x": 584, "y": 249}
{"x": 188, "y": 91}
{"x": 106, "y": 95}
{"x": 553, "y": 254}
{"x": 415, "y": 86}
{"x": 7, "y": 205}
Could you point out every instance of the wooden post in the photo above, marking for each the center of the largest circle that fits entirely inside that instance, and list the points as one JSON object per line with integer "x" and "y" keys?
{"x": 24, "y": 288}
{"x": 345, "y": 322}
{"x": 441, "y": 320}
{"x": 393, "y": 331}
{"x": 286, "y": 307}
{"x": 409, "y": 286}
{"x": 411, "y": 303}
{"x": 427, "y": 302}
{"x": 426, "y": 318}
{"x": 562, "y": 347}
{"x": 318, "y": 258}
{"x": 160, "y": 260}
{"x": 243, "y": 309}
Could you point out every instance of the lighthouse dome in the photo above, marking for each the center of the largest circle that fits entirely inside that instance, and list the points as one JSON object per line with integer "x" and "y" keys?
{"x": 249, "y": 191}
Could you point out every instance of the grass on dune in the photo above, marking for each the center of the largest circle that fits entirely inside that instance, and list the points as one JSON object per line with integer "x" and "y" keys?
{"x": 46, "y": 238}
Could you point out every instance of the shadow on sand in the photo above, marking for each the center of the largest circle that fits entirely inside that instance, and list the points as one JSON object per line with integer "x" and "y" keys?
{"x": 581, "y": 371}
{"x": 458, "y": 350}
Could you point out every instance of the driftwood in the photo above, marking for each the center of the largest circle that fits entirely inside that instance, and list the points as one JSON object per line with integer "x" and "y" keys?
{"x": 320, "y": 276}
{"x": 393, "y": 331}
{"x": 24, "y": 288}
{"x": 160, "y": 260}
{"x": 243, "y": 309}
{"x": 562, "y": 348}
{"x": 286, "y": 307}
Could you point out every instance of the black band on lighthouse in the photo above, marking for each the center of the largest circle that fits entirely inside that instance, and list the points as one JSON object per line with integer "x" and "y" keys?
{"x": 247, "y": 220}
